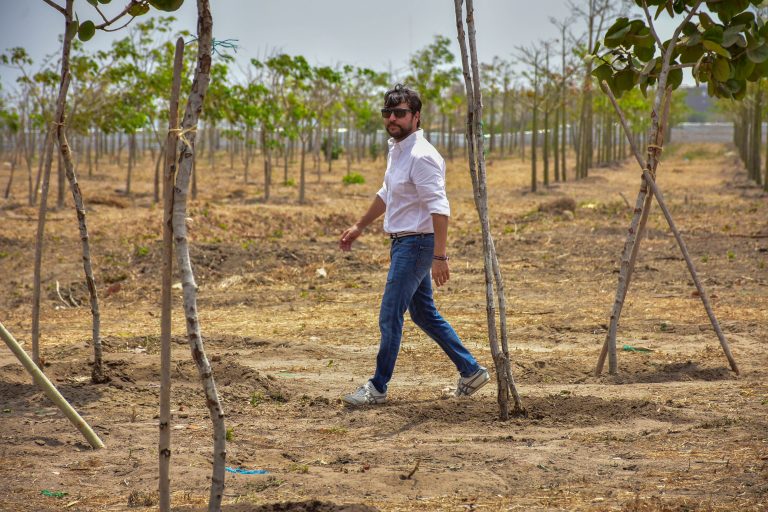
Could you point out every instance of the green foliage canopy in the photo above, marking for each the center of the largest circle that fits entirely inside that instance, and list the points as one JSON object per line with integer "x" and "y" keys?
{"x": 725, "y": 51}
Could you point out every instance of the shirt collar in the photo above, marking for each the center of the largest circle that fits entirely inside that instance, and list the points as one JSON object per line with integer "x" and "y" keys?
{"x": 407, "y": 142}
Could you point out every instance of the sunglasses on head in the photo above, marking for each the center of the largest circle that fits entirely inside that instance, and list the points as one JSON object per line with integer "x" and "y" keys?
{"x": 399, "y": 112}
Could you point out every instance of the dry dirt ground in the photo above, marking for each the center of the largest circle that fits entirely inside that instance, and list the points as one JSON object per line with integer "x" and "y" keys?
{"x": 675, "y": 430}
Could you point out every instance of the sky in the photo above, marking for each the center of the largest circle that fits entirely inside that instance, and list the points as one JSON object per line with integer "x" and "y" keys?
{"x": 366, "y": 33}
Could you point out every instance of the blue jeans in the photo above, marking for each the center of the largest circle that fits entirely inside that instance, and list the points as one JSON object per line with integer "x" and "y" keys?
{"x": 409, "y": 287}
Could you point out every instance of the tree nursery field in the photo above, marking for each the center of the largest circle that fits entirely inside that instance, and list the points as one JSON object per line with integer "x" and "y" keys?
{"x": 290, "y": 325}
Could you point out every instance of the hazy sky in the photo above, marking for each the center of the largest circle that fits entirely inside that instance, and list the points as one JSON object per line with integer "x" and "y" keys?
{"x": 375, "y": 34}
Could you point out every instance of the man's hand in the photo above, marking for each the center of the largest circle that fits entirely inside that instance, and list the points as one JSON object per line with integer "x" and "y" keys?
{"x": 348, "y": 236}
{"x": 440, "y": 272}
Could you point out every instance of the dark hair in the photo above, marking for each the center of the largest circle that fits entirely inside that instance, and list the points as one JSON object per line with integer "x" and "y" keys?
{"x": 399, "y": 94}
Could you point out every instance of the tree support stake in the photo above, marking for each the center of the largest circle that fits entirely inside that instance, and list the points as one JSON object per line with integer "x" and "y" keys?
{"x": 50, "y": 390}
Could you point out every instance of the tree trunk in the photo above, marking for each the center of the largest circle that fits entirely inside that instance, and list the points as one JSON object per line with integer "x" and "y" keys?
{"x": 474, "y": 144}
{"x": 130, "y": 168}
{"x": 54, "y": 132}
{"x": 60, "y": 180}
{"x": 545, "y": 149}
{"x": 534, "y": 142}
{"x": 757, "y": 125}
{"x": 189, "y": 287}
{"x": 302, "y": 173}
{"x": 97, "y": 372}
{"x": 156, "y": 188}
{"x": 10, "y": 180}
{"x": 267, "y": 164}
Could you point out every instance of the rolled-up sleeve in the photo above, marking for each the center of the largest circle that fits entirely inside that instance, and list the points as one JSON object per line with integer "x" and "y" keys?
{"x": 429, "y": 177}
{"x": 382, "y": 193}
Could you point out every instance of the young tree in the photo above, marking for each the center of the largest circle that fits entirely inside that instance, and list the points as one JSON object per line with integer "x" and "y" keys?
{"x": 532, "y": 56}
{"x": 596, "y": 14}
{"x": 504, "y": 379}
{"x": 187, "y": 135}
{"x": 725, "y": 55}
{"x": 85, "y": 31}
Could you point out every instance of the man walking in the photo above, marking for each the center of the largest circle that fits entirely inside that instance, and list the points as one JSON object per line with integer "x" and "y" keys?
{"x": 416, "y": 211}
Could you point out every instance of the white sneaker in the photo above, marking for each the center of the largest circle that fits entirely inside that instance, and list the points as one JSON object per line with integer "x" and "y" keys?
{"x": 366, "y": 395}
{"x": 469, "y": 385}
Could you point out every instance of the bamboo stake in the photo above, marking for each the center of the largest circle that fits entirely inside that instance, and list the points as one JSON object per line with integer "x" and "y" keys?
{"x": 50, "y": 390}
{"x": 164, "y": 443}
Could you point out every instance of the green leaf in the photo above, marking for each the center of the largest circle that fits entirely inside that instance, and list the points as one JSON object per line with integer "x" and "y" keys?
{"x": 735, "y": 85}
{"x": 138, "y": 9}
{"x": 732, "y": 35}
{"x": 72, "y": 27}
{"x": 742, "y": 68}
{"x": 603, "y": 72}
{"x": 705, "y": 21}
{"x": 617, "y": 37}
{"x": 648, "y": 67}
{"x": 618, "y": 25}
{"x": 760, "y": 71}
{"x": 745, "y": 18}
{"x": 690, "y": 28}
{"x": 721, "y": 69}
{"x": 94, "y": 3}
{"x": 624, "y": 81}
{"x": 691, "y": 54}
{"x": 714, "y": 47}
{"x": 104, "y": 1}
{"x": 714, "y": 34}
{"x": 166, "y": 5}
{"x": 675, "y": 78}
{"x": 694, "y": 40}
{"x": 86, "y": 30}
{"x": 645, "y": 54}
{"x": 759, "y": 54}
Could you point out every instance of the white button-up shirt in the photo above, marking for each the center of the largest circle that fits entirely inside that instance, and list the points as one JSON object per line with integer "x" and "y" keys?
{"x": 414, "y": 185}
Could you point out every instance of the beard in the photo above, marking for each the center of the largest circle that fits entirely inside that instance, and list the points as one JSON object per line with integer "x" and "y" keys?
{"x": 399, "y": 132}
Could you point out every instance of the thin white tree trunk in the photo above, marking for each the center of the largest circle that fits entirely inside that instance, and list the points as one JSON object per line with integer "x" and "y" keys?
{"x": 189, "y": 287}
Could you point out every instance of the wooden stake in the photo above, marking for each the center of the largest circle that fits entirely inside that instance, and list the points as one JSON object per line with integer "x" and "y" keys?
{"x": 50, "y": 390}
{"x": 692, "y": 270}
{"x": 169, "y": 175}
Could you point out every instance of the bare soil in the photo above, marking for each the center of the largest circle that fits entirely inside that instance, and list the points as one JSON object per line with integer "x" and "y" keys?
{"x": 675, "y": 430}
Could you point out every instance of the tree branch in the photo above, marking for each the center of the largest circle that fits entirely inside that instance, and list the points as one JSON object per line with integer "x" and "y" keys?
{"x": 123, "y": 13}
{"x": 56, "y": 6}
{"x": 624, "y": 124}
{"x": 650, "y": 24}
